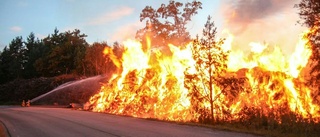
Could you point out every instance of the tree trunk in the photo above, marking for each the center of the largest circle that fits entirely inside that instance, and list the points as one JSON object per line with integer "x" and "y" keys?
{"x": 210, "y": 96}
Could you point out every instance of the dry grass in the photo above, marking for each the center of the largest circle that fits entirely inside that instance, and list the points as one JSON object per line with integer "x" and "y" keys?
{"x": 233, "y": 127}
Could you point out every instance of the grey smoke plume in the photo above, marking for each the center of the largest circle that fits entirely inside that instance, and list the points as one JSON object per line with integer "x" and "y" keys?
{"x": 241, "y": 13}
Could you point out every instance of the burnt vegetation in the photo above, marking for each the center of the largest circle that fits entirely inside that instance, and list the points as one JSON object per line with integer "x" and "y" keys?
{"x": 31, "y": 67}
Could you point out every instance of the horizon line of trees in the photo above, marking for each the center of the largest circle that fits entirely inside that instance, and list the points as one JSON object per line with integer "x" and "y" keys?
{"x": 69, "y": 53}
{"x": 57, "y": 54}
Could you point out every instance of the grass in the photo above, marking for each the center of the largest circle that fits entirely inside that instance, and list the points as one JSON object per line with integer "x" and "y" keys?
{"x": 243, "y": 129}
{"x": 287, "y": 129}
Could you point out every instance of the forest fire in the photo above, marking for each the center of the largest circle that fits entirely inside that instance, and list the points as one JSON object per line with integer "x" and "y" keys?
{"x": 150, "y": 84}
{"x": 276, "y": 83}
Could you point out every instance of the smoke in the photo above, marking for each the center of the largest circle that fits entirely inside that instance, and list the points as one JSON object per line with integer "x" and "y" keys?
{"x": 241, "y": 13}
{"x": 273, "y": 22}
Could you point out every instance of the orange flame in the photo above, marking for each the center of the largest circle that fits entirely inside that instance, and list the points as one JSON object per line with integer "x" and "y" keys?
{"x": 151, "y": 84}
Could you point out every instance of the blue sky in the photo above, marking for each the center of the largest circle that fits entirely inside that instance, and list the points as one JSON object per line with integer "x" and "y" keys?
{"x": 117, "y": 20}
{"x": 101, "y": 20}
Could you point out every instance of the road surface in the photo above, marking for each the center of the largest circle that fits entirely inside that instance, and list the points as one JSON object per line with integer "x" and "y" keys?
{"x": 63, "y": 122}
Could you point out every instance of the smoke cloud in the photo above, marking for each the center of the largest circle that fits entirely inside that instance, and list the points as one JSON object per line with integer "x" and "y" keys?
{"x": 273, "y": 22}
{"x": 241, "y": 13}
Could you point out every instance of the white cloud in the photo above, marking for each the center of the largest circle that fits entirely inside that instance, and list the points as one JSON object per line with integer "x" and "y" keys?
{"x": 16, "y": 29}
{"x": 111, "y": 16}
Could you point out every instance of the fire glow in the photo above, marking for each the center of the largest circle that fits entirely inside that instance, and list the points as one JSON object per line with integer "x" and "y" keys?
{"x": 151, "y": 84}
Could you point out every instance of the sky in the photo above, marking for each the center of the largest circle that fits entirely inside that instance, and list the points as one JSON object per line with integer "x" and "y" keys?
{"x": 272, "y": 21}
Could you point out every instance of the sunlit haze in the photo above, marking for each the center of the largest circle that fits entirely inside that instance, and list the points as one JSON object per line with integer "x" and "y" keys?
{"x": 270, "y": 22}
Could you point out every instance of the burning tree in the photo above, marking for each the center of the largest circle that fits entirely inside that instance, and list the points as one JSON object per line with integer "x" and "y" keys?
{"x": 167, "y": 24}
{"x": 207, "y": 81}
{"x": 310, "y": 15}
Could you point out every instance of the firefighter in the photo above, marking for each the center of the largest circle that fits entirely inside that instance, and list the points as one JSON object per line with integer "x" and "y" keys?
{"x": 23, "y": 104}
{"x": 28, "y": 103}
